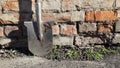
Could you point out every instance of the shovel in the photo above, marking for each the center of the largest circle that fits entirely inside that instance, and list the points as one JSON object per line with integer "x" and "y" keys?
{"x": 39, "y": 36}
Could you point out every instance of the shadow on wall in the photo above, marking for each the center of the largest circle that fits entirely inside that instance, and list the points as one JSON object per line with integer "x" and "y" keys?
{"x": 25, "y": 14}
{"x": 25, "y": 10}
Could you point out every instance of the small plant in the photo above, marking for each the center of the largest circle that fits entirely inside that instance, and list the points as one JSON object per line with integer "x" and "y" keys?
{"x": 99, "y": 53}
{"x": 94, "y": 54}
{"x": 54, "y": 53}
{"x": 106, "y": 51}
{"x": 72, "y": 54}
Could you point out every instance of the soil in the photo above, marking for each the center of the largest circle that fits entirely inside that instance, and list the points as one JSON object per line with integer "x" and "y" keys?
{"x": 38, "y": 62}
{"x": 12, "y": 58}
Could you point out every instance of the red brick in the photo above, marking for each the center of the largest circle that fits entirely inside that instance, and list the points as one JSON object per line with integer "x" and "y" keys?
{"x": 68, "y": 29}
{"x": 90, "y": 16}
{"x": 14, "y": 5}
{"x": 10, "y": 6}
{"x": 55, "y": 30}
{"x": 105, "y": 27}
{"x": 105, "y": 15}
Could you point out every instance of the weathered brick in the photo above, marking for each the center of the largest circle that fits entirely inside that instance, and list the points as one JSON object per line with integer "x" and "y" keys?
{"x": 67, "y": 5}
{"x": 118, "y": 13}
{"x": 90, "y": 15}
{"x": 12, "y": 0}
{"x": 68, "y": 29}
{"x": 0, "y": 7}
{"x": 1, "y": 32}
{"x": 105, "y": 27}
{"x": 87, "y": 27}
{"x": 58, "y": 40}
{"x": 117, "y": 3}
{"x": 10, "y": 6}
{"x": 48, "y": 16}
{"x": 21, "y": 6}
{"x": 76, "y": 4}
{"x": 117, "y": 26}
{"x": 97, "y": 3}
{"x": 58, "y": 17}
{"x": 105, "y": 15}
{"x": 108, "y": 4}
{"x": 63, "y": 17}
{"x": 15, "y": 17}
{"x": 78, "y": 16}
{"x": 9, "y": 17}
{"x": 82, "y": 41}
{"x": 13, "y": 32}
{"x": 116, "y": 38}
{"x": 55, "y": 29}
{"x": 90, "y": 3}
{"x": 100, "y": 15}
{"x": 51, "y": 5}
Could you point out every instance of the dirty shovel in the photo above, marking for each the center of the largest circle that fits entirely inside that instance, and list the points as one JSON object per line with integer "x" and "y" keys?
{"x": 39, "y": 35}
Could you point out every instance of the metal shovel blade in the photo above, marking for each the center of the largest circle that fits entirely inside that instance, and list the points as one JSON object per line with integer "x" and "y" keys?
{"x": 36, "y": 46}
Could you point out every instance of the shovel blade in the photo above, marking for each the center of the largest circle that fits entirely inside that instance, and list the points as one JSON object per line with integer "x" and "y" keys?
{"x": 36, "y": 46}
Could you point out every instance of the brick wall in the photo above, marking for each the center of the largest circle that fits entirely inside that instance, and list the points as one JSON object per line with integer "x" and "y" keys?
{"x": 78, "y": 22}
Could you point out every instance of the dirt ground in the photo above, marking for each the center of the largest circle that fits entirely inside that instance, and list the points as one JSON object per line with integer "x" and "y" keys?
{"x": 38, "y": 62}
{"x": 15, "y": 59}
{"x": 20, "y": 62}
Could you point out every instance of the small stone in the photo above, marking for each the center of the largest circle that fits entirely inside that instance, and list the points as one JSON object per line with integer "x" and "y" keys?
{"x": 5, "y": 41}
{"x": 116, "y": 38}
{"x": 1, "y": 51}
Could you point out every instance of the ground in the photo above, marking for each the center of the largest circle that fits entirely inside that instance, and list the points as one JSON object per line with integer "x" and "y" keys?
{"x": 12, "y": 58}
{"x": 38, "y": 62}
